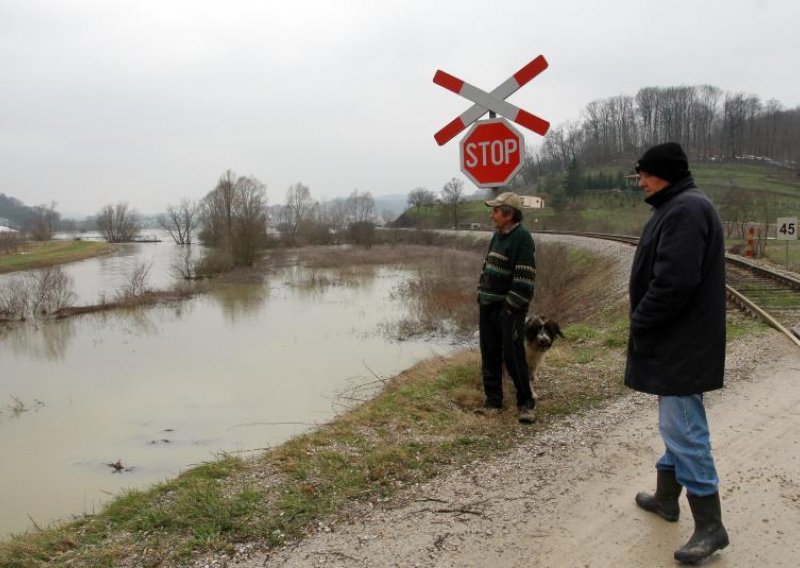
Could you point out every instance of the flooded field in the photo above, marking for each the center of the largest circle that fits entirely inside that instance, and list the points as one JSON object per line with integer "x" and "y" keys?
{"x": 156, "y": 390}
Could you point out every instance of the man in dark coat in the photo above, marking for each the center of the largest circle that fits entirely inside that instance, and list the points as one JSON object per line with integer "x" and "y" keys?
{"x": 676, "y": 348}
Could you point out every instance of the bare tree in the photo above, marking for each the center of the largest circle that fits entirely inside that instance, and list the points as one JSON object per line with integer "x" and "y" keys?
{"x": 421, "y": 197}
{"x": 416, "y": 197}
{"x": 180, "y": 221}
{"x": 52, "y": 290}
{"x": 43, "y": 222}
{"x": 136, "y": 285}
{"x": 118, "y": 223}
{"x": 234, "y": 217}
{"x": 360, "y": 207}
{"x": 452, "y": 197}
{"x": 15, "y": 299}
{"x": 10, "y": 242}
{"x": 299, "y": 206}
{"x": 250, "y": 220}
{"x": 218, "y": 206}
{"x": 334, "y": 213}
{"x": 37, "y": 292}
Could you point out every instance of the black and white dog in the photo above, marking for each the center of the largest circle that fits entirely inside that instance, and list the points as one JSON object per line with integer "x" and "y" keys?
{"x": 540, "y": 334}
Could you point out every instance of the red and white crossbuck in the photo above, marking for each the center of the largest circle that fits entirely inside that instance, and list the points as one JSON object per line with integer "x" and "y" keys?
{"x": 492, "y": 101}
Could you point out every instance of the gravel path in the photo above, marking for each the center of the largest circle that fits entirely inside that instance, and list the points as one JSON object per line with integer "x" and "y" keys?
{"x": 565, "y": 496}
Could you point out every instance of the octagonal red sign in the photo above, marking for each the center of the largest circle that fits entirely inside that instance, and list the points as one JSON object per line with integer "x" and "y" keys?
{"x": 491, "y": 153}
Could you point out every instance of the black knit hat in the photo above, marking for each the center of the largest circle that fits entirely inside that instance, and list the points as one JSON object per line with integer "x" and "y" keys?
{"x": 667, "y": 161}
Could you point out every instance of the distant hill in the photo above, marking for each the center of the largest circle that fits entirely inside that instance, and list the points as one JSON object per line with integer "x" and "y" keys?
{"x": 14, "y": 210}
{"x": 394, "y": 203}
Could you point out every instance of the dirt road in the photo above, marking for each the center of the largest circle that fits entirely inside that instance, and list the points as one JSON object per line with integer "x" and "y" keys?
{"x": 565, "y": 498}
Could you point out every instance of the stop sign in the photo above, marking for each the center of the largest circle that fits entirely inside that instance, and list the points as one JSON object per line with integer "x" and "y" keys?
{"x": 491, "y": 153}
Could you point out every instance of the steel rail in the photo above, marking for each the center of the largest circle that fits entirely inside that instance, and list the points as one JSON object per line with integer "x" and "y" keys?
{"x": 739, "y": 299}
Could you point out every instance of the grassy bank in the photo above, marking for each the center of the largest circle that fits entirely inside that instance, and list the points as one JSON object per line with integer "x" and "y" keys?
{"x": 756, "y": 182}
{"x": 49, "y": 253}
{"x": 419, "y": 425}
{"x": 777, "y": 253}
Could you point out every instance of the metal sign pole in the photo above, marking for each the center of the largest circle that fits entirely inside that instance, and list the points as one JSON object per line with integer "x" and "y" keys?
{"x": 495, "y": 190}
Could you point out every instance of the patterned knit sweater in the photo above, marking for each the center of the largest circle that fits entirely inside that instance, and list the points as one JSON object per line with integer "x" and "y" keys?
{"x": 509, "y": 271}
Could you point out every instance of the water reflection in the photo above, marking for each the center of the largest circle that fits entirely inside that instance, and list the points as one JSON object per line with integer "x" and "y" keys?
{"x": 240, "y": 300}
{"x": 46, "y": 340}
{"x": 275, "y": 353}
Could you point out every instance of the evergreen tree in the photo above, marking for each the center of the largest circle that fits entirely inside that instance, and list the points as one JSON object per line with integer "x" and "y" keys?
{"x": 575, "y": 181}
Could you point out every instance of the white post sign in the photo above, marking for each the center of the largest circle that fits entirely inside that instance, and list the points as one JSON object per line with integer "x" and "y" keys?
{"x": 787, "y": 231}
{"x": 787, "y": 228}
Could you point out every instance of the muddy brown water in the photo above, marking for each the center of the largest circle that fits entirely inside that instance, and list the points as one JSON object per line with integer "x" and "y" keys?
{"x": 243, "y": 367}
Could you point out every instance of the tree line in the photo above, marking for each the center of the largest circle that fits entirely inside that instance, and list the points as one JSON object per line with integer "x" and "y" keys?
{"x": 709, "y": 123}
{"x": 232, "y": 219}
{"x": 450, "y": 199}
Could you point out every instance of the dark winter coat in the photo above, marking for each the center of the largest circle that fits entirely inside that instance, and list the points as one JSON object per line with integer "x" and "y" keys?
{"x": 677, "y": 293}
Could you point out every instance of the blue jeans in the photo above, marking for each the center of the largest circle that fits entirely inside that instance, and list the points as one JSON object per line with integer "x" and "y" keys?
{"x": 684, "y": 429}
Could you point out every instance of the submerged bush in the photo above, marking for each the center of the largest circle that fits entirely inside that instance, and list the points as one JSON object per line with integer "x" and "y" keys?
{"x": 34, "y": 293}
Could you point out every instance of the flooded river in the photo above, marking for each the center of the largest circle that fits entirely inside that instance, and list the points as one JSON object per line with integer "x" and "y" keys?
{"x": 242, "y": 367}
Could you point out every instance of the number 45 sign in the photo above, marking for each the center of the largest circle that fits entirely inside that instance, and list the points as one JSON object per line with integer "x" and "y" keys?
{"x": 787, "y": 228}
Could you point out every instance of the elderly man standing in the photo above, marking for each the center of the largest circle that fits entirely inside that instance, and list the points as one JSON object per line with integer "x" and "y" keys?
{"x": 505, "y": 291}
{"x": 676, "y": 348}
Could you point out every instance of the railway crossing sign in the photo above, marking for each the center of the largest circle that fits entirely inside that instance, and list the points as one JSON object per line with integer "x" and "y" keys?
{"x": 491, "y": 153}
{"x": 787, "y": 228}
{"x": 493, "y": 101}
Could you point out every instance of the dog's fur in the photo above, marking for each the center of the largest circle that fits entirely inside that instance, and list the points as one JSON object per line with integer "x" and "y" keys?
{"x": 540, "y": 334}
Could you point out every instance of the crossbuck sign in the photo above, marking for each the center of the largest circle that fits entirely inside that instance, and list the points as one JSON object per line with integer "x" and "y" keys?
{"x": 493, "y": 101}
{"x": 492, "y": 151}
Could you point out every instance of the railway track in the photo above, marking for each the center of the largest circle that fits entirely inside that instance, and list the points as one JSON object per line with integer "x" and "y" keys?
{"x": 771, "y": 296}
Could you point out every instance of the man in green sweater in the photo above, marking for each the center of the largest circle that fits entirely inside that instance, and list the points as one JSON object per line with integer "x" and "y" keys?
{"x": 505, "y": 291}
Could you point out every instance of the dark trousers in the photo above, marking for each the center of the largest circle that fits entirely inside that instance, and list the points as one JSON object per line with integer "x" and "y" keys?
{"x": 502, "y": 341}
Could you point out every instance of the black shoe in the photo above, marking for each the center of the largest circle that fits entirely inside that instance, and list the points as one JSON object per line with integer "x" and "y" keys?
{"x": 665, "y": 501}
{"x": 709, "y": 534}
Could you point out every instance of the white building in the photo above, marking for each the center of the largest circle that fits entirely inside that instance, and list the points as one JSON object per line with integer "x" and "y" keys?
{"x": 5, "y": 226}
{"x": 532, "y": 202}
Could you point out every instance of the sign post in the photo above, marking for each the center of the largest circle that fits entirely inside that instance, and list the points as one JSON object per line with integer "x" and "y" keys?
{"x": 787, "y": 231}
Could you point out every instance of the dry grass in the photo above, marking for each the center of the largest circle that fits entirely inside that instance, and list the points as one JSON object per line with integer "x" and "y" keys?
{"x": 147, "y": 298}
{"x": 442, "y": 292}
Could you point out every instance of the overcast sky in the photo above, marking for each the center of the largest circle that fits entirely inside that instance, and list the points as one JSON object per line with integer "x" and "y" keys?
{"x": 150, "y": 101}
